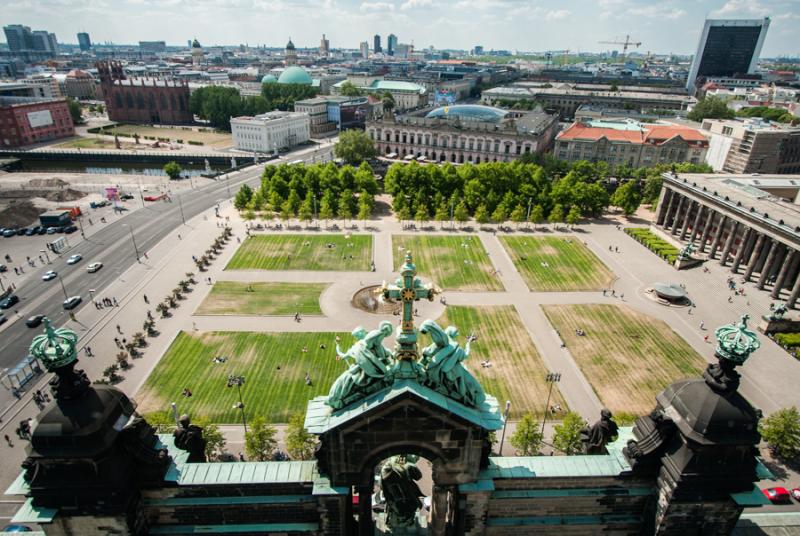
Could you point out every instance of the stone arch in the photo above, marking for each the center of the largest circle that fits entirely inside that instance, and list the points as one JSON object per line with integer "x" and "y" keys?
{"x": 163, "y": 101}
{"x": 140, "y": 101}
{"x": 118, "y": 100}
{"x": 129, "y": 100}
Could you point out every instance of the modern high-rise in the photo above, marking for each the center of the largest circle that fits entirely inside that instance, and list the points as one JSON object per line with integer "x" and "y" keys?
{"x": 376, "y": 44}
{"x": 324, "y": 46}
{"x": 364, "y": 48}
{"x": 44, "y": 41}
{"x": 84, "y": 42}
{"x": 727, "y": 48}
{"x": 391, "y": 44}
{"x": 18, "y": 37}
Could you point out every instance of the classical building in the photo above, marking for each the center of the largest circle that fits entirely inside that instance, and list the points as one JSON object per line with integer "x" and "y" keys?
{"x": 27, "y": 120}
{"x": 740, "y": 221}
{"x": 197, "y": 54}
{"x": 79, "y": 84}
{"x": 464, "y": 133}
{"x": 143, "y": 100}
{"x": 290, "y": 54}
{"x": 330, "y": 114}
{"x": 630, "y": 143}
{"x": 752, "y": 146}
{"x": 270, "y": 132}
{"x": 406, "y": 95}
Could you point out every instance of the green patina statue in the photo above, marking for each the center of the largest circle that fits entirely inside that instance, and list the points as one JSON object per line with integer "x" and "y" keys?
{"x": 399, "y": 478}
{"x": 686, "y": 252}
{"x": 374, "y": 367}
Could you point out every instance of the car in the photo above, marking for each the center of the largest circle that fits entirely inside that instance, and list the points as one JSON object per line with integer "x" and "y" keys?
{"x": 30, "y": 231}
{"x": 42, "y": 230}
{"x": 3, "y": 268}
{"x": 52, "y": 230}
{"x": 69, "y": 229}
{"x": 34, "y": 321}
{"x": 48, "y": 275}
{"x": 72, "y": 302}
{"x": 36, "y": 229}
{"x": 92, "y": 268}
{"x": 9, "y": 302}
{"x": 75, "y": 259}
{"x": 15, "y": 527}
{"x": 9, "y": 233}
{"x": 21, "y": 231}
{"x": 796, "y": 493}
{"x": 125, "y": 197}
{"x": 778, "y": 495}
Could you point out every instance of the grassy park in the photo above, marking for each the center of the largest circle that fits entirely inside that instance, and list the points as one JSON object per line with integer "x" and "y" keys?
{"x": 238, "y": 298}
{"x": 626, "y": 356}
{"x": 517, "y": 372}
{"x": 304, "y": 252}
{"x": 208, "y": 136}
{"x": 450, "y": 262}
{"x": 556, "y": 263}
{"x": 273, "y": 364}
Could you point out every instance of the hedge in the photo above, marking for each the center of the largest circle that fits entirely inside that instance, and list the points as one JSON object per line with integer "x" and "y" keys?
{"x": 192, "y": 142}
{"x": 657, "y": 245}
{"x": 788, "y": 340}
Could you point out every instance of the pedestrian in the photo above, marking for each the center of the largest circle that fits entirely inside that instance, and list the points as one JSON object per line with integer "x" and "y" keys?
{"x": 179, "y": 238}
{"x": 241, "y": 456}
{"x": 145, "y": 255}
{"x": 119, "y": 329}
{"x": 702, "y": 325}
{"x": 115, "y": 302}
{"x": 604, "y": 292}
{"x": 730, "y": 299}
{"x": 616, "y": 249}
{"x": 622, "y": 296}
{"x": 145, "y": 299}
{"x": 613, "y": 293}
{"x": 705, "y": 339}
{"x": 8, "y": 440}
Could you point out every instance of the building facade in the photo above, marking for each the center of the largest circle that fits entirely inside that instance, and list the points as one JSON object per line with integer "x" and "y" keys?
{"x": 270, "y": 132}
{"x": 752, "y": 146}
{"x": 149, "y": 101}
{"x": 463, "y": 134}
{"x": 376, "y": 44}
{"x": 27, "y": 120}
{"x": 734, "y": 222}
{"x": 84, "y": 42}
{"x": 630, "y": 143}
{"x": 406, "y": 95}
{"x": 328, "y": 115}
{"x": 391, "y": 44}
{"x": 727, "y": 48}
{"x": 80, "y": 84}
{"x": 290, "y": 54}
{"x": 324, "y": 46}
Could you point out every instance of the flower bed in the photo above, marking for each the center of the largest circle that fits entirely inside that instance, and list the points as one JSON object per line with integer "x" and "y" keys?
{"x": 789, "y": 342}
{"x": 657, "y": 245}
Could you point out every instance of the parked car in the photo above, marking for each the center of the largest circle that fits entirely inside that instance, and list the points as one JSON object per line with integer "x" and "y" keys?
{"x": 778, "y": 495}
{"x": 30, "y": 231}
{"x": 125, "y": 197}
{"x": 42, "y": 230}
{"x": 75, "y": 259}
{"x": 52, "y": 230}
{"x": 21, "y": 231}
{"x": 72, "y": 302}
{"x": 17, "y": 528}
{"x": 796, "y": 494}
{"x": 9, "y": 233}
{"x": 9, "y": 301}
{"x": 34, "y": 321}
{"x": 69, "y": 229}
{"x": 92, "y": 268}
{"x": 48, "y": 275}
{"x": 3, "y": 268}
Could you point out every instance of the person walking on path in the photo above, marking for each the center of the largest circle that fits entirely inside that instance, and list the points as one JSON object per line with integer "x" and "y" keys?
{"x": 8, "y": 440}
{"x": 702, "y": 325}
{"x": 146, "y": 300}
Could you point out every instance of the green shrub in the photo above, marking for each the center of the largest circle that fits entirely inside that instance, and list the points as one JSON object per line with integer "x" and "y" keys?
{"x": 788, "y": 340}
{"x": 192, "y": 142}
{"x": 657, "y": 245}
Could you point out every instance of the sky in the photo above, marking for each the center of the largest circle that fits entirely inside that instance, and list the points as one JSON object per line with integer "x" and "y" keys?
{"x": 663, "y": 26}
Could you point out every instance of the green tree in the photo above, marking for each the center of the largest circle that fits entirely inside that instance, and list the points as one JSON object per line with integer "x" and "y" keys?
{"x": 173, "y": 170}
{"x": 711, "y": 107}
{"x": 299, "y": 443}
{"x": 354, "y": 146}
{"x": 567, "y": 435}
{"x": 286, "y": 212}
{"x": 627, "y": 197}
{"x": 75, "y": 111}
{"x": 537, "y": 214}
{"x": 243, "y": 197}
{"x": 325, "y": 208}
{"x": 306, "y": 211}
{"x": 388, "y": 102}
{"x": 481, "y": 215}
{"x": 461, "y": 213}
{"x": 500, "y": 215}
{"x": 215, "y": 440}
{"x": 364, "y": 208}
{"x": 259, "y": 441}
{"x": 421, "y": 215}
{"x": 652, "y": 189}
{"x": 404, "y": 214}
{"x": 518, "y": 215}
{"x": 573, "y": 216}
{"x": 349, "y": 89}
{"x": 345, "y": 210}
{"x": 781, "y": 431}
{"x": 441, "y": 215}
{"x": 527, "y": 438}
{"x": 556, "y": 215}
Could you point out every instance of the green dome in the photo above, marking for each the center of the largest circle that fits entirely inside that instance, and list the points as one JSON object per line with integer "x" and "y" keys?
{"x": 295, "y": 75}
{"x": 269, "y": 79}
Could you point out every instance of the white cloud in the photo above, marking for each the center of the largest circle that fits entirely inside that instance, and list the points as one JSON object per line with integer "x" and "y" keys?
{"x": 657, "y": 12}
{"x": 371, "y": 7}
{"x": 742, "y": 7}
{"x": 410, "y": 4}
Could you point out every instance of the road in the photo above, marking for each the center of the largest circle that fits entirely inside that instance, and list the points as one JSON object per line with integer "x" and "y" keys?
{"x": 113, "y": 246}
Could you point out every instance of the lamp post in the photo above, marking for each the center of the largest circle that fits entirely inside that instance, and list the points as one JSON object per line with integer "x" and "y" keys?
{"x": 80, "y": 222}
{"x": 238, "y": 381}
{"x": 180, "y": 204}
{"x": 551, "y": 378}
{"x": 175, "y": 413}
{"x": 528, "y": 217}
{"x": 505, "y": 423}
{"x": 136, "y": 249}
{"x": 45, "y": 255}
{"x": 91, "y": 293}
{"x": 62, "y": 287}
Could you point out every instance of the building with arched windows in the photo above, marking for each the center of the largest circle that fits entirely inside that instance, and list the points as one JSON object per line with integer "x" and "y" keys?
{"x": 464, "y": 133}
{"x": 143, "y": 100}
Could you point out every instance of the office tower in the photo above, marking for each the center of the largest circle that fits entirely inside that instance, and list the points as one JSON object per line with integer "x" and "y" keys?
{"x": 376, "y": 44}
{"x": 18, "y": 37}
{"x": 391, "y": 44}
{"x": 84, "y": 42}
{"x": 365, "y": 49}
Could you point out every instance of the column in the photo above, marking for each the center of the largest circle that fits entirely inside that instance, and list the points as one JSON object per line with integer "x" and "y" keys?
{"x": 678, "y": 215}
{"x": 729, "y": 244}
{"x": 707, "y": 229}
{"x": 773, "y": 252}
{"x": 439, "y": 507}
{"x": 696, "y": 222}
{"x": 718, "y": 236}
{"x": 792, "y": 301}
{"x": 788, "y": 262}
{"x": 672, "y": 198}
{"x": 751, "y": 265}
{"x": 686, "y": 220}
{"x": 748, "y": 236}
{"x": 365, "y": 524}
{"x": 663, "y": 206}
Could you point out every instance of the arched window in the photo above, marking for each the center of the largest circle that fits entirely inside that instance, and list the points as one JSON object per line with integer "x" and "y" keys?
{"x": 129, "y": 100}
{"x": 163, "y": 102}
{"x": 139, "y": 101}
{"x": 118, "y": 99}
{"x": 182, "y": 103}
{"x": 151, "y": 101}
{"x": 172, "y": 101}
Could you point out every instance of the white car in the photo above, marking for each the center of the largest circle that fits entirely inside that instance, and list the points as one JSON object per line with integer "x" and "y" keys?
{"x": 74, "y": 259}
{"x": 92, "y": 268}
{"x": 49, "y": 275}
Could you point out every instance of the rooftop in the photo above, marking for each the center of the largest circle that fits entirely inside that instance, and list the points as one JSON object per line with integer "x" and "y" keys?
{"x": 628, "y": 131}
{"x": 469, "y": 112}
{"x": 532, "y": 92}
{"x": 269, "y": 116}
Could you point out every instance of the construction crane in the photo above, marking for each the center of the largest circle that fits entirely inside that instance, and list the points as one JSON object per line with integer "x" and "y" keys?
{"x": 625, "y": 44}
{"x": 548, "y": 56}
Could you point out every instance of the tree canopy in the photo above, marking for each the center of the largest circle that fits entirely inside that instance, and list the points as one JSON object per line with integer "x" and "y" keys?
{"x": 781, "y": 431}
{"x": 567, "y": 435}
{"x": 527, "y": 438}
{"x": 354, "y": 146}
{"x": 260, "y": 441}
{"x": 173, "y": 170}
{"x": 75, "y": 111}
{"x": 711, "y": 107}
{"x": 772, "y": 114}
{"x": 349, "y": 89}
{"x": 627, "y": 198}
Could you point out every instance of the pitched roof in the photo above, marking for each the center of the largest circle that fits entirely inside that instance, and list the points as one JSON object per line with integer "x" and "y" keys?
{"x": 645, "y": 133}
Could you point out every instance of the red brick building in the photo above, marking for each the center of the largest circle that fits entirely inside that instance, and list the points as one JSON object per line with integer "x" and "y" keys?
{"x": 143, "y": 100}
{"x": 27, "y": 120}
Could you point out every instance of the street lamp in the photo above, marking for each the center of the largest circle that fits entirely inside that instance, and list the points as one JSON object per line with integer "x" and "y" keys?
{"x": 80, "y": 222}
{"x": 551, "y": 378}
{"x": 91, "y": 293}
{"x": 238, "y": 381}
{"x": 505, "y": 422}
{"x": 62, "y": 287}
{"x": 136, "y": 249}
{"x": 180, "y": 203}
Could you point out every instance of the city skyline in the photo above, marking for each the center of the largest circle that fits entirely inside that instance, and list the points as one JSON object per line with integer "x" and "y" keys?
{"x": 672, "y": 26}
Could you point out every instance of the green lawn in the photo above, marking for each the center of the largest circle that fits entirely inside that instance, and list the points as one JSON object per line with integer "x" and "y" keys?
{"x": 450, "y": 262}
{"x": 209, "y": 136}
{"x": 517, "y": 372}
{"x": 556, "y": 263}
{"x": 627, "y": 357}
{"x": 273, "y": 364}
{"x": 237, "y": 298}
{"x": 303, "y": 252}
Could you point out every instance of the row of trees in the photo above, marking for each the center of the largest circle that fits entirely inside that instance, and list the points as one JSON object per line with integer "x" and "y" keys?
{"x": 324, "y": 191}
{"x": 218, "y": 104}
{"x": 712, "y": 107}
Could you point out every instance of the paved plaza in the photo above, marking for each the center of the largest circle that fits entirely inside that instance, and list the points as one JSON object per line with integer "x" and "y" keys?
{"x": 769, "y": 378}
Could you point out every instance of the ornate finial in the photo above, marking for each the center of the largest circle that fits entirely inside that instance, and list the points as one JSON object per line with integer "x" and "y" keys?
{"x": 55, "y": 348}
{"x": 735, "y": 342}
